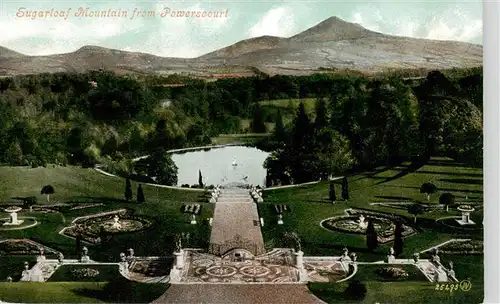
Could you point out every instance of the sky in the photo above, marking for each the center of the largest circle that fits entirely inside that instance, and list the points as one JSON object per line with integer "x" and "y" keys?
{"x": 174, "y": 35}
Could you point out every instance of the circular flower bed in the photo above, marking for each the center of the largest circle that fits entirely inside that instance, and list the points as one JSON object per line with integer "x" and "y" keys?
{"x": 392, "y": 273}
{"x": 83, "y": 273}
{"x": 93, "y": 228}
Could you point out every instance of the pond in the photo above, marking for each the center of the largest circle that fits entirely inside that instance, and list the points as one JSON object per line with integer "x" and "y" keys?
{"x": 216, "y": 166}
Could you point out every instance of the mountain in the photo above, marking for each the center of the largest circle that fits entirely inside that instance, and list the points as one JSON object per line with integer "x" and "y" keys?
{"x": 331, "y": 44}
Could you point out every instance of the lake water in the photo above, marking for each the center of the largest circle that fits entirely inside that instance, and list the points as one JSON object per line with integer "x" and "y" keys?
{"x": 216, "y": 166}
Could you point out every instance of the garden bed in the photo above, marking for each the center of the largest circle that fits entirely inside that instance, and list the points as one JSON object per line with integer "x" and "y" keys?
{"x": 389, "y": 273}
{"x": 24, "y": 247}
{"x": 93, "y": 228}
{"x": 85, "y": 273}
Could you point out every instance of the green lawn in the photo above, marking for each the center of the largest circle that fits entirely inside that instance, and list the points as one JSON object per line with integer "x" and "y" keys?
{"x": 74, "y": 184}
{"x": 310, "y": 205}
{"x": 65, "y": 273}
{"x": 117, "y": 291}
{"x": 397, "y": 293}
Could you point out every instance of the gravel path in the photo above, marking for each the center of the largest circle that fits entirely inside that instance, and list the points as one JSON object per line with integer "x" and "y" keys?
{"x": 236, "y": 216}
{"x": 238, "y": 294}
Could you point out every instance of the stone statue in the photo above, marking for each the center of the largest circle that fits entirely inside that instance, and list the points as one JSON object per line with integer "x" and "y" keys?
{"x": 346, "y": 252}
{"x": 116, "y": 223}
{"x": 391, "y": 251}
{"x": 85, "y": 258}
{"x": 416, "y": 256}
{"x": 354, "y": 257}
{"x": 41, "y": 257}
{"x": 178, "y": 244}
{"x": 9, "y": 279}
{"x": 130, "y": 253}
{"x": 26, "y": 274}
{"x": 60, "y": 257}
{"x": 123, "y": 258}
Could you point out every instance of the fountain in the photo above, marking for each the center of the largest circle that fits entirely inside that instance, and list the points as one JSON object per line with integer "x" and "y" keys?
{"x": 13, "y": 221}
{"x": 362, "y": 223}
{"x": 466, "y": 210}
{"x": 116, "y": 225}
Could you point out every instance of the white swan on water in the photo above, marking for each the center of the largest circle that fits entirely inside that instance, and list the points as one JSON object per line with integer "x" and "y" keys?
{"x": 234, "y": 161}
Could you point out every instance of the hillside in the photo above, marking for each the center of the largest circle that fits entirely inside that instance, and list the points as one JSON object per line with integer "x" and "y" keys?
{"x": 331, "y": 45}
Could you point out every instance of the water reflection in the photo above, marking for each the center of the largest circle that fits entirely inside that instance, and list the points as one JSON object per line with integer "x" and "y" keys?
{"x": 228, "y": 165}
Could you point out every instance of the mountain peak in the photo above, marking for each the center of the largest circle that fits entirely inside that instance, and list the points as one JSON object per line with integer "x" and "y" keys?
{"x": 333, "y": 29}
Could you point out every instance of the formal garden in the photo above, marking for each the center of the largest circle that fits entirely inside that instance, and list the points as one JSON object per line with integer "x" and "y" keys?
{"x": 380, "y": 197}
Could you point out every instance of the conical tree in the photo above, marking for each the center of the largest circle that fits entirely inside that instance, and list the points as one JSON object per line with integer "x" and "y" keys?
{"x": 345, "y": 189}
{"x": 258, "y": 125}
{"x": 140, "y": 195}
{"x": 302, "y": 130}
{"x": 280, "y": 134}
{"x": 200, "y": 179}
{"x": 128, "y": 190}
{"x": 78, "y": 244}
{"x": 371, "y": 236}
{"x": 321, "y": 120}
{"x": 398, "y": 238}
{"x": 332, "y": 196}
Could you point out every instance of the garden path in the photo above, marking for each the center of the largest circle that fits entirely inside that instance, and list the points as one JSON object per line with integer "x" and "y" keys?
{"x": 236, "y": 223}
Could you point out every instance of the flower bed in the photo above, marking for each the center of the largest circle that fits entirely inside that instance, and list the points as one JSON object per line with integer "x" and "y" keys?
{"x": 92, "y": 228}
{"x": 392, "y": 273}
{"x": 23, "y": 247}
{"x": 94, "y": 273}
{"x": 467, "y": 247}
{"x": 384, "y": 224}
{"x": 191, "y": 208}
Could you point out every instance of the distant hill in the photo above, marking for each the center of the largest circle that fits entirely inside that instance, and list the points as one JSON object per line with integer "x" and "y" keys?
{"x": 329, "y": 45}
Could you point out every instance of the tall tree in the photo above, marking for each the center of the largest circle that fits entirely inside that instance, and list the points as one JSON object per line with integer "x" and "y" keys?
{"x": 428, "y": 189}
{"x": 128, "y": 190}
{"x": 200, "y": 179}
{"x": 302, "y": 130}
{"x": 78, "y": 244}
{"x": 47, "y": 190}
{"x": 258, "y": 125}
{"x": 140, "y": 195}
{"x": 321, "y": 120}
{"x": 398, "y": 238}
{"x": 333, "y": 197}
{"x": 345, "y": 189}
{"x": 415, "y": 210}
{"x": 371, "y": 236}
{"x": 280, "y": 134}
{"x": 163, "y": 168}
{"x": 447, "y": 199}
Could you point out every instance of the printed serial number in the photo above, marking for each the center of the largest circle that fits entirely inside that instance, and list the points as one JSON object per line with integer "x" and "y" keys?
{"x": 463, "y": 286}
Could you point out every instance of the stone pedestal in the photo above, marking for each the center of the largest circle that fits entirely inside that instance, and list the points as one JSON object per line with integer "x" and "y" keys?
{"x": 390, "y": 259}
{"x": 260, "y": 200}
{"x": 123, "y": 267}
{"x": 179, "y": 258}
{"x": 210, "y": 221}
{"x": 213, "y": 200}
{"x": 261, "y": 222}
{"x": 13, "y": 220}
{"x": 280, "y": 219}
{"x": 299, "y": 259}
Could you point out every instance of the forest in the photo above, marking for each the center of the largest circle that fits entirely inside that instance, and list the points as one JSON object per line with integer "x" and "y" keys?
{"x": 358, "y": 122}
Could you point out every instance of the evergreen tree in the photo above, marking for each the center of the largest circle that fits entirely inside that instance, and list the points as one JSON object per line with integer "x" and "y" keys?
{"x": 302, "y": 130}
{"x": 257, "y": 125}
{"x": 371, "y": 236}
{"x": 200, "y": 179}
{"x": 163, "y": 168}
{"x": 321, "y": 120}
{"x": 345, "y": 189}
{"x": 78, "y": 245}
{"x": 333, "y": 197}
{"x": 128, "y": 190}
{"x": 280, "y": 134}
{"x": 140, "y": 195}
{"x": 398, "y": 238}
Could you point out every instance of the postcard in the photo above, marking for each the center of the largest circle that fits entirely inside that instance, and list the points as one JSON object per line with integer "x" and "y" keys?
{"x": 241, "y": 152}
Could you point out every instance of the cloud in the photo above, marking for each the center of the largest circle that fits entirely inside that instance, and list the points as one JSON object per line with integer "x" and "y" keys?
{"x": 276, "y": 22}
{"x": 452, "y": 24}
